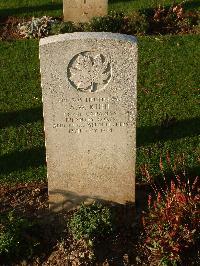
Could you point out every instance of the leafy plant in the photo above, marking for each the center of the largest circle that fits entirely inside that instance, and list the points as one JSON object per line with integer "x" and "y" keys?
{"x": 173, "y": 19}
{"x": 114, "y": 22}
{"x": 162, "y": 20}
{"x": 15, "y": 236}
{"x": 172, "y": 223}
{"x": 91, "y": 222}
{"x": 136, "y": 23}
{"x": 37, "y": 27}
{"x": 63, "y": 27}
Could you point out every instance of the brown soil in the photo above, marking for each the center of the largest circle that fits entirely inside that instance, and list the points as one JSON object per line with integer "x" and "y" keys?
{"x": 57, "y": 245}
{"x": 8, "y": 28}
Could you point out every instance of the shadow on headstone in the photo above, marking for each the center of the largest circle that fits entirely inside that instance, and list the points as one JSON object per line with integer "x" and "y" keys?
{"x": 62, "y": 200}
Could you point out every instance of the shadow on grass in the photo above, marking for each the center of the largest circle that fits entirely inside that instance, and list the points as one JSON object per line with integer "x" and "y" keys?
{"x": 169, "y": 130}
{"x": 29, "y": 10}
{"x": 20, "y": 117}
{"x": 21, "y": 160}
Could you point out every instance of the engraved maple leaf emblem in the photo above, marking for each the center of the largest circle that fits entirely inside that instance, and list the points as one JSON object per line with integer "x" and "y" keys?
{"x": 89, "y": 72}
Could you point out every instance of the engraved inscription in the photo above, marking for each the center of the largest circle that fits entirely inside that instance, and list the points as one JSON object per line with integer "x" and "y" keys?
{"x": 89, "y": 71}
{"x": 92, "y": 114}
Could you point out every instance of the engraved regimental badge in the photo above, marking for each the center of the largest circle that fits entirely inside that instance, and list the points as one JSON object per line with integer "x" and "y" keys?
{"x": 89, "y": 71}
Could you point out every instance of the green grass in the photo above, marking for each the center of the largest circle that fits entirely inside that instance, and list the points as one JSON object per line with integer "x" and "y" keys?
{"x": 127, "y": 5}
{"x": 28, "y": 8}
{"x": 21, "y": 137}
{"x": 168, "y": 83}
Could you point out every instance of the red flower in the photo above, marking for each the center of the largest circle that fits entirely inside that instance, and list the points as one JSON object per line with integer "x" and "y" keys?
{"x": 181, "y": 198}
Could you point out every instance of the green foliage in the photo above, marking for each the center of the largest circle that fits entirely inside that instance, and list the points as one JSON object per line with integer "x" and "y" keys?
{"x": 114, "y": 22}
{"x": 119, "y": 22}
{"x": 15, "y": 236}
{"x": 63, "y": 27}
{"x": 136, "y": 23}
{"x": 169, "y": 20}
{"x": 91, "y": 222}
{"x": 172, "y": 224}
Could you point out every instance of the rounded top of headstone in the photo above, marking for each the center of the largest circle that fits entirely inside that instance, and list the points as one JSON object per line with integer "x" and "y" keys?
{"x": 88, "y": 35}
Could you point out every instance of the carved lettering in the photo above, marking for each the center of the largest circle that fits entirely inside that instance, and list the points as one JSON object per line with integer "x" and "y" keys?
{"x": 95, "y": 114}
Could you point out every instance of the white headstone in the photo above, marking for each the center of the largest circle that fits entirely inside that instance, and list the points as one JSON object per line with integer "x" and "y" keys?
{"x": 84, "y": 10}
{"x": 89, "y": 102}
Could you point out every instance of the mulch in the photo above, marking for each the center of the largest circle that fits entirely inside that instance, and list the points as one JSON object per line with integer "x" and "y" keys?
{"x": 8, "y": 28}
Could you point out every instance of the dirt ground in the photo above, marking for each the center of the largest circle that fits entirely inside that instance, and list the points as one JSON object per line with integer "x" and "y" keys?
{"x": 8, "y": 28}
{"x": 57, "y": 245}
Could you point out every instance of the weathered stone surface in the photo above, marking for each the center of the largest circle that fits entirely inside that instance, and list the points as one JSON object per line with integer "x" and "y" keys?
{"x": 89, "y": 102}
{"x": 84, "y": 10}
